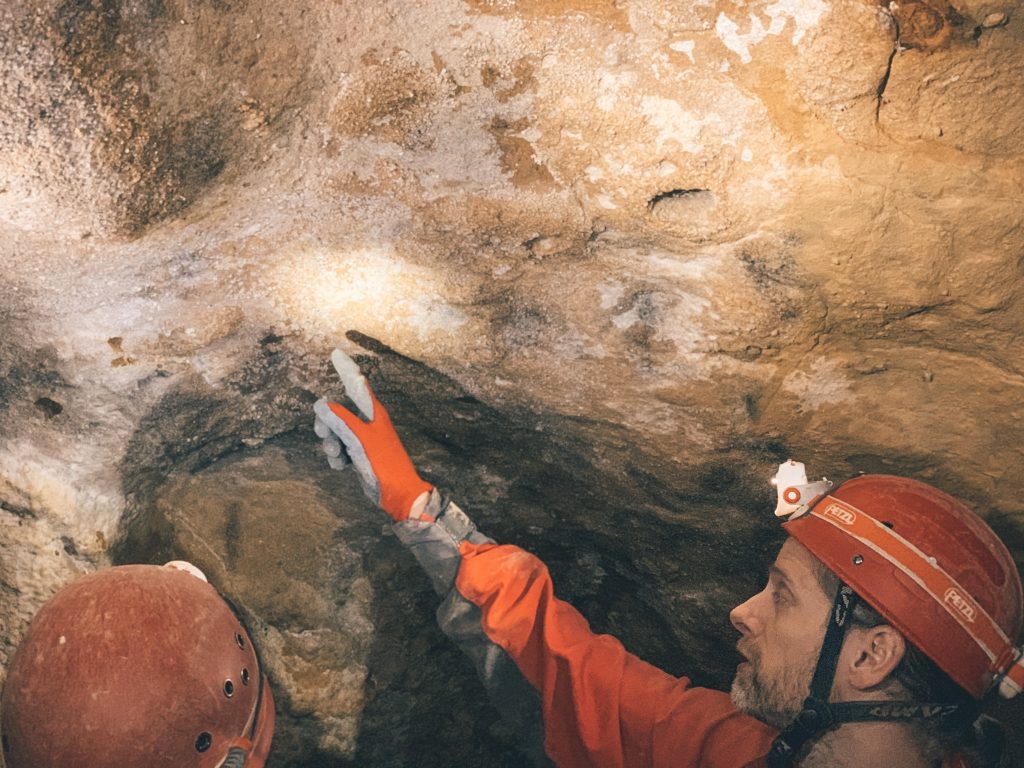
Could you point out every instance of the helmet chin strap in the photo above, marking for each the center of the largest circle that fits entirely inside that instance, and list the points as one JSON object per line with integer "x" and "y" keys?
{"x": 818, "y": 715}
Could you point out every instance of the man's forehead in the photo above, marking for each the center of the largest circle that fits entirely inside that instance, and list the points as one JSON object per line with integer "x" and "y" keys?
{"x": 796, "y": 563}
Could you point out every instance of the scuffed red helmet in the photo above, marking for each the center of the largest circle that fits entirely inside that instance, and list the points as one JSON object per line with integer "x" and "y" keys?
{"x": 137, "y": 665}
{"x": 930, "y": 567}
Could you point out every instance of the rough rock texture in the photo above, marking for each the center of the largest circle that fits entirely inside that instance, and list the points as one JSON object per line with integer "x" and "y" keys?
{"x": 607, "y": 262}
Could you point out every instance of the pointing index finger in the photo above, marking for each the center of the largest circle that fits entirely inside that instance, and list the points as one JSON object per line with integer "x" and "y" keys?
{"x": 354, "y": 382}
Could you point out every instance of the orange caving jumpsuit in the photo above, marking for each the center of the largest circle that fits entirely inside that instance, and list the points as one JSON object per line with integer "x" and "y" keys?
{"x": 577, "y": 699}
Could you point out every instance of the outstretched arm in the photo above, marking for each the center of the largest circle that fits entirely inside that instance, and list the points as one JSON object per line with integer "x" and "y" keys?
{"x": 576, "y": 698}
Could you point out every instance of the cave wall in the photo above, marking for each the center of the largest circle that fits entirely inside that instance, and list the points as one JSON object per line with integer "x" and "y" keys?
{"x": 607, "y": 262}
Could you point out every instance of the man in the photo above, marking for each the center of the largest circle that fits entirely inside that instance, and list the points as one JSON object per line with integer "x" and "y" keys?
{"x": 132, "y": 666}
{"x": 890, "y": 613}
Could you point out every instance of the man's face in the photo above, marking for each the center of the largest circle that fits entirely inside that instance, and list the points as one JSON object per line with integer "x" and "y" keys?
{"x": 782, "y": 629}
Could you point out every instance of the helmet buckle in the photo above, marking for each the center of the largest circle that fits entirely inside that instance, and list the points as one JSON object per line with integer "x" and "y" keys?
{"x": 1011, "y": 682}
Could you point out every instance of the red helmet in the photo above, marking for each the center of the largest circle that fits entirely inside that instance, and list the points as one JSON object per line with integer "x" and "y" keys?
{"x": 929, "y": 565}
{"x": 138, "y": 665}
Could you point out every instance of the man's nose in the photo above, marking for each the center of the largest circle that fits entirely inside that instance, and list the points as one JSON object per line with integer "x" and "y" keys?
{"x": 745, "y": 617}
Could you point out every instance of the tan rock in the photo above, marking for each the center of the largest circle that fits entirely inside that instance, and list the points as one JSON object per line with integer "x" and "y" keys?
{"x": 605, "y": 262}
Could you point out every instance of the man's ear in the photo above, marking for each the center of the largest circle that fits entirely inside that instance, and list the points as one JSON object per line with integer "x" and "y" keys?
{"x": 873, "y": 655}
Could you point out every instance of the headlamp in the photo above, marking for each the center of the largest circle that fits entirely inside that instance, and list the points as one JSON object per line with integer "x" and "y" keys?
{"x": 794, "y": 491}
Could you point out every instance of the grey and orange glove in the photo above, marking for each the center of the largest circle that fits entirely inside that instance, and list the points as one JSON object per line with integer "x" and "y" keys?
{"x": 426, "y": 521}
{"x": 369, "y": 441}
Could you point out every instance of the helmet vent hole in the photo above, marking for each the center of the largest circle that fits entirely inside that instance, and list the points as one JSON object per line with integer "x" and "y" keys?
{"x": 888, "y": 525}
{"x": 245, "y": 676}
{"x": 229, "y": 688}
{"x": 240, "y": 640}
{"x": 858, "y": 559}
{"x": 203, "y": 741}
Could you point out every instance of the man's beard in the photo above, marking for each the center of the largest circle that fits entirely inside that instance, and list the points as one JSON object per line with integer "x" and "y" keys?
{"x": 776, "y": 701}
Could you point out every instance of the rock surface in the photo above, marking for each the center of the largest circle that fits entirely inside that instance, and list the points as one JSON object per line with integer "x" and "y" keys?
{"x": 606, "y": 262}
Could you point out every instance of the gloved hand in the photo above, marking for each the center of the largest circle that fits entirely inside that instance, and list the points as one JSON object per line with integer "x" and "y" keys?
{"x": 370, "y": 443}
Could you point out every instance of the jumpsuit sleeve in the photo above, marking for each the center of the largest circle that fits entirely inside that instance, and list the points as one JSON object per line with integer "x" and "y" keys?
{"x": 578, "y": 698}
{"x": 601, "y": 705}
